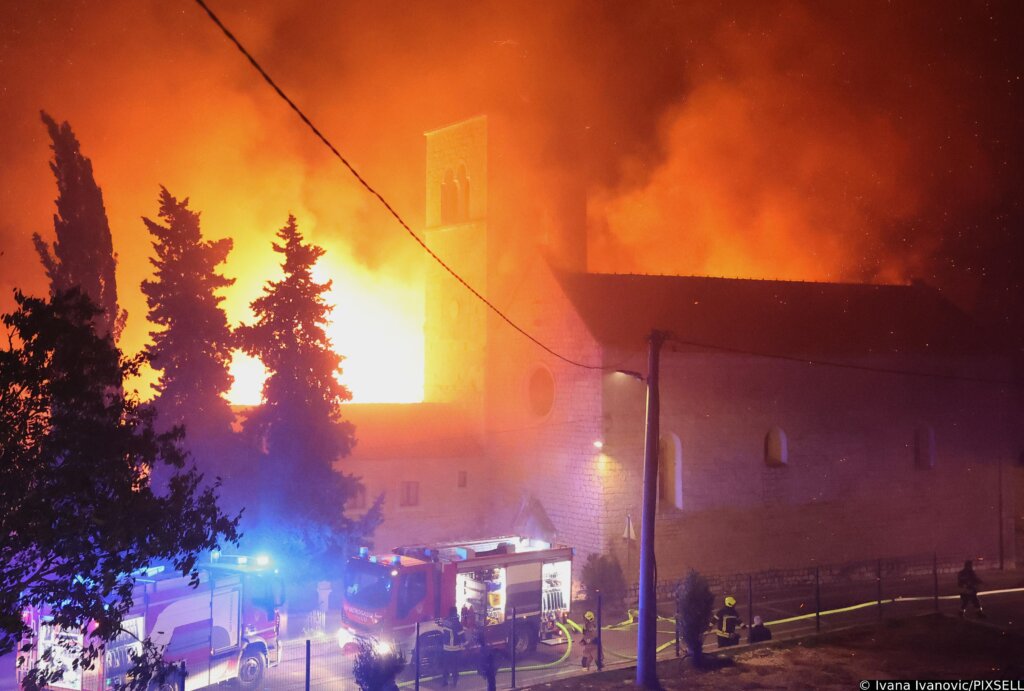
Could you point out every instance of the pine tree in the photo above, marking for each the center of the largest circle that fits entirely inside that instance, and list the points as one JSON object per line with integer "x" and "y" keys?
{"x": 83, "y": 252}
{"x": 193, "y": 350}
{"x": 299, "y": 422}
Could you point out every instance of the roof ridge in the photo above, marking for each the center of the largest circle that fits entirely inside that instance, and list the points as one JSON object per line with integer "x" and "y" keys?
{"x": 854, "y": 284}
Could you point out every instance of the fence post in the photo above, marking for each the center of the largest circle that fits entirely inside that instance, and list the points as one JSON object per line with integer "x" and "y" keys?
{"x": 750, "y": 600}
{"x": 308, "y": 657}
{"x": 935, "y": 575}
{"x": 817, "y": 599}
{"x": 879, "y": 590}
{"x": 600, "y": 644}
{"x": 416, "y": 649}
{"x": 678, "y": 601}
{"x": 513, "y": 647}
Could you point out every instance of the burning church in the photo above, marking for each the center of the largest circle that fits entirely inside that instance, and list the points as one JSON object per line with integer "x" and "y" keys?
{"x": 801, "y": 422}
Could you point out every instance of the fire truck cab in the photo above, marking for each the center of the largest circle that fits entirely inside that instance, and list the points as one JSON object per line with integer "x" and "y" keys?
{"x": 386, "y": 595}
{"x": 226, "y": 628}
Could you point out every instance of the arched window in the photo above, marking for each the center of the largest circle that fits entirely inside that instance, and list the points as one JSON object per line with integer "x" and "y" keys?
{"x": 924, "y": 448}
{"x": 776, "y": 449}
{"x": 462, "y": 178}
{"x": 670, "y": 472}
{"x": 449, "y": 197}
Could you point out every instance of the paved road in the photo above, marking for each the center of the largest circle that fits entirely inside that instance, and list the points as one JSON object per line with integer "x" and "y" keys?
{"x": 786, "y": 612}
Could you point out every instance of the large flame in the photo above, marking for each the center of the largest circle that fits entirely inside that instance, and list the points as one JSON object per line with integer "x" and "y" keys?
{"x": 376, "y": 324}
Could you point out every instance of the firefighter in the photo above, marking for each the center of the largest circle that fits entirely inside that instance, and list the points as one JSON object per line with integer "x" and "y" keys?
{"x": 453, "y": 641}
{"x": 727, "y": 624}
{"x": 588, "y": 641}
{"x": 759, "y": 632}
{"x": 967, "y": 581}
{"x": 488, "y": 667}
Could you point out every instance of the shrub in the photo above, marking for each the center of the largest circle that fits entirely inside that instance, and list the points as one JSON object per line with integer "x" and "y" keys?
{"x": 603, "y": 572}
{"x": 694, "y": 602}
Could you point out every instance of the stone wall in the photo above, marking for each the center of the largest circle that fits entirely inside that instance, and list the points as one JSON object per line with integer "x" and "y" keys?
{"x": 850, "y": 489}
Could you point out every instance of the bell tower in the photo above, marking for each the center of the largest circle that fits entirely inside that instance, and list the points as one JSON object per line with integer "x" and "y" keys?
{"x": 455, "y": 330}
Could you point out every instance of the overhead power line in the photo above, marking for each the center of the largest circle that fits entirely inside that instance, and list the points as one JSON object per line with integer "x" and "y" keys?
{"x": 369, "y": 188}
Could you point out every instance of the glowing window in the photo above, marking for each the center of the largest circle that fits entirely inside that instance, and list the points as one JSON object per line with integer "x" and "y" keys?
{"x": 670, "y": 472}
{"x": 924, "y": 448}
{"x": 409, "y": 494}
{"x": 541, "y": 391}
{"x": 776, "y": 448}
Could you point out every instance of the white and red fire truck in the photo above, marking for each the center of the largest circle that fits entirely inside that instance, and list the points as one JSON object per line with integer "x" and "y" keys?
{"x": 227, "y": 628}
{"x": 386, "y": 595}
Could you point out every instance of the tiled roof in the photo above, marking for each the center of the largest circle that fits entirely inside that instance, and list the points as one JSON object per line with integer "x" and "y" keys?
{"x": 775, "y": 317}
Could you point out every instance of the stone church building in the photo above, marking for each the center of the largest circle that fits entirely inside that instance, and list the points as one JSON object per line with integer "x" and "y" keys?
{"x": 791, "y": 432}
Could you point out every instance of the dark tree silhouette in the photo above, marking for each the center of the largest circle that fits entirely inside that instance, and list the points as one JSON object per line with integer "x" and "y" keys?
{"x": 693, "y": 610}
{"x": 78, "y": 510}
{"x": 193, "y": 349}
{"x": 83, "y": 253}
{"x": 376, "y": 666}
{"x": 299, "y": 423}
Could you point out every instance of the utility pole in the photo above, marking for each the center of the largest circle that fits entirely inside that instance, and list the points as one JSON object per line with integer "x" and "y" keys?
{"x": 647, "y": 643}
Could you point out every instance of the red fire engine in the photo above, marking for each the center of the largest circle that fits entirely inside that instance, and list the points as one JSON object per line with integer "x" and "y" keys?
{"x": 226, "y": 628}
{"x": 386, "y": 595}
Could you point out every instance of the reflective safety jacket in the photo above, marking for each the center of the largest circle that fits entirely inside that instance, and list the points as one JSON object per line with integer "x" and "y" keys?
{"x": 453, "y": 635}
{"x": 726, "y": 621}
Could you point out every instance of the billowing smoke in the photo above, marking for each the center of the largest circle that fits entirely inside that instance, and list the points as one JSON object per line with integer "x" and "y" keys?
{"x": 841, "y": 142}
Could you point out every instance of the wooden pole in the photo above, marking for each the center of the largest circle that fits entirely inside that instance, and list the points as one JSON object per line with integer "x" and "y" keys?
{"x": 647, "y": 634}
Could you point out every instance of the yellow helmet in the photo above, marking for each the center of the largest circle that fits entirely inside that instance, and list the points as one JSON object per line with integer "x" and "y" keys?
{"x": 589, "y": 616}
{"x": 730, "y": 601}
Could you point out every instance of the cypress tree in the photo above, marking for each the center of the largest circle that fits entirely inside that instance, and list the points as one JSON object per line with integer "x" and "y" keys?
{"x": 83, "y": 253}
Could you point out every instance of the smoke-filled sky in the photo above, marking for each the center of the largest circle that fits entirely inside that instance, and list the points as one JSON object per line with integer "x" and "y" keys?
{"x": 874, "y": 141}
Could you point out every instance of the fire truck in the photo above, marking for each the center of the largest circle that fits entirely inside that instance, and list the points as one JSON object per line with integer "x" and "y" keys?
{"x": 386, "y": 595}
{"x": 226, "y": 628}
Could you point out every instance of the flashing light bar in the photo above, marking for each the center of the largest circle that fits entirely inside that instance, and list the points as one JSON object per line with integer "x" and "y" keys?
{"x": 364, "y": 552}
{"x": 239, "y": 559}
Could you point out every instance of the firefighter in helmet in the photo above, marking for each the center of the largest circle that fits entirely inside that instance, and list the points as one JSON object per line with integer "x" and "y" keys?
{"x": 727, "y": 624}
{"x": 453, "y": 643}
{"x": 588, "y": 640}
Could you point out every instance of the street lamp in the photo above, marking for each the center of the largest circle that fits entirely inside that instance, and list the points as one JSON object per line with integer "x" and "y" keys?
{"x": 631, "y": 373}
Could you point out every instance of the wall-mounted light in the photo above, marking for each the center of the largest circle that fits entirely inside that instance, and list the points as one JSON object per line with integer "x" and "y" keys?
{"x": 598, "y": 444}
{"x": 631, "y": 373}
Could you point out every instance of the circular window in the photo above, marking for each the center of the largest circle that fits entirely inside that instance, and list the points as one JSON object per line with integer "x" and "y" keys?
{"x": 541, "y": 391}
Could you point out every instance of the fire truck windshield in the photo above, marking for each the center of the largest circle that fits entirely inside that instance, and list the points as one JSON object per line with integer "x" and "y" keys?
{"x": 368, "y": 584}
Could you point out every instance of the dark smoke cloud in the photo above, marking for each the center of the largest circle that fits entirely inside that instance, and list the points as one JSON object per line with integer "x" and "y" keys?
{"x": 842, "y": 141}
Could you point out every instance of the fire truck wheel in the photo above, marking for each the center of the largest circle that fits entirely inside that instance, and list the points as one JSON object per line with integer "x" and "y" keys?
{"x": 526, "y": 640}
{"x": 250, "y": 669}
